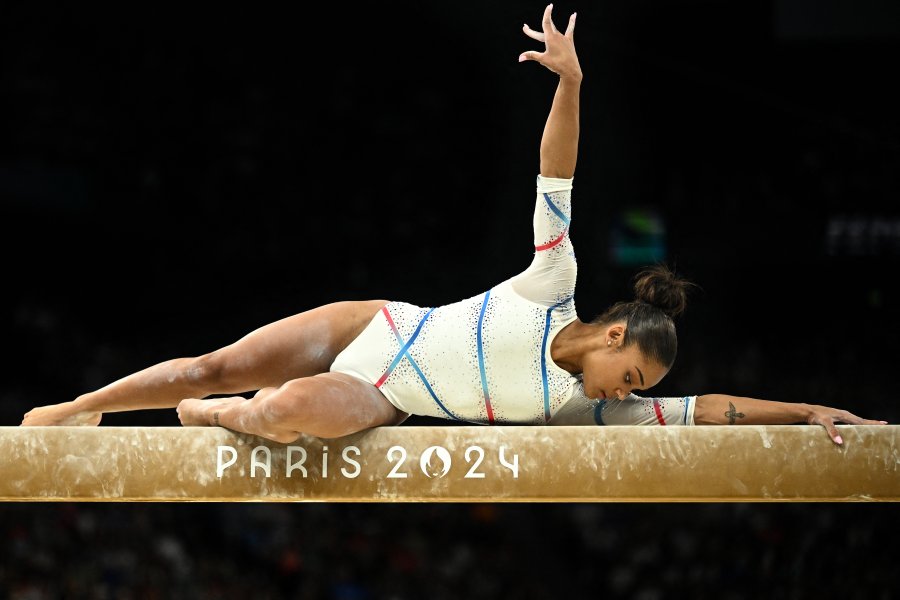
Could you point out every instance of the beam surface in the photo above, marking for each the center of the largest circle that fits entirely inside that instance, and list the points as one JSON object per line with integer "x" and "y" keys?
{"x": 453, "y": 464}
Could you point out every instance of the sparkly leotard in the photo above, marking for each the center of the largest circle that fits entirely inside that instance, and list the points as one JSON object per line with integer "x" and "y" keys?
{"x": 486, "y": 359}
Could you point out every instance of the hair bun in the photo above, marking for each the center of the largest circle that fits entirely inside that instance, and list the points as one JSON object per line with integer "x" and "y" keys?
{"x": 660, "y": 287}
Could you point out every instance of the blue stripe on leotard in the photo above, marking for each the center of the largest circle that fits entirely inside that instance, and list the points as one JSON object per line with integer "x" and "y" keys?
{"x": 562, "y": 216}
{"x": 404, "y": 349}
{"x": 544, "y": 358}
{"x": 484, "y": 384}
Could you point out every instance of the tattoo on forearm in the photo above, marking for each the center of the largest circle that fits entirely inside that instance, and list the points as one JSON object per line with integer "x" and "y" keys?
{"x": 216, "y": 418}
{"x": 732, "y": 414}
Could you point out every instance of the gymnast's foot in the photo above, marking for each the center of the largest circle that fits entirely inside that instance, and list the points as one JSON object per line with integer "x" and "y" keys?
{"x": 193, "y": 412}
{"x": 64, "y": 413}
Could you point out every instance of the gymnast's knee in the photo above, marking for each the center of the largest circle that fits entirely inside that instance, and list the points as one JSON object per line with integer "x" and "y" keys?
{"x": 277, "y": 411}
{"x": 209, "y": 371}
{"x": 282, "y": 437}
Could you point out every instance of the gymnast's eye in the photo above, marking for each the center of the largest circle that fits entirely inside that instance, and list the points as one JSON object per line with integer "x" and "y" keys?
{"x": 627, "y": 377}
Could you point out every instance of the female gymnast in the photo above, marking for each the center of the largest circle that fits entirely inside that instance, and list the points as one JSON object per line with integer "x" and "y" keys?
{"x": 515, "y": 354}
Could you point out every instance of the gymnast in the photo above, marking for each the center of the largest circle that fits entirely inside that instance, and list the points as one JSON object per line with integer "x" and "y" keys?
{"x": 515, "y": 354}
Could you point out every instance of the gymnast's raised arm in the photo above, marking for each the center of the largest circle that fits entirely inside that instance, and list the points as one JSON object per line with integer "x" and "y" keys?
{"x": 559, "y": 144}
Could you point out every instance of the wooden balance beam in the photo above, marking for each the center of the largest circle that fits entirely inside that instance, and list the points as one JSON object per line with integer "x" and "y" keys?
{"x": 453, "y": 464}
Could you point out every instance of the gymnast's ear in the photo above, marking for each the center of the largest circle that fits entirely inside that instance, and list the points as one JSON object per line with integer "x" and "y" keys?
{"x": 615, "y": 334}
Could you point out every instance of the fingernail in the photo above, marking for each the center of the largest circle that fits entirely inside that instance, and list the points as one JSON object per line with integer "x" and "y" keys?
{"x": 883, "y": 422}
{"x": 839, "y": 440}
{"x": 574, "y": 15}
{"x": 521, "y": 57}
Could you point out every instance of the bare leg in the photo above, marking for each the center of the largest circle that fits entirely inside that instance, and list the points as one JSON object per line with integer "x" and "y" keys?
{"x": 328, "y": 405}
{"x": 299, "y": 346}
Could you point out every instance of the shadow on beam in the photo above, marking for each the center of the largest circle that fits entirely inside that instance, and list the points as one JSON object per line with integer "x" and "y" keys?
{"x": 453, "y": 464}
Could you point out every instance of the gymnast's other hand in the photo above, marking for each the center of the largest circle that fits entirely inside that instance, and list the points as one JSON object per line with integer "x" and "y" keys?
{"x": 827, "y": 417}
{"x": 64, "y": 413}
{"x": 559, "y": 55}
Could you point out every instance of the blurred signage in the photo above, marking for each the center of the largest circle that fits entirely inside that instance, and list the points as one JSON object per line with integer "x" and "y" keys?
{"x": 862, "y": 236}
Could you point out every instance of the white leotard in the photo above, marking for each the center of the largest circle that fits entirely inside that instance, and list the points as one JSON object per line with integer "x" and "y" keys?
{"x": 485, "y": 359}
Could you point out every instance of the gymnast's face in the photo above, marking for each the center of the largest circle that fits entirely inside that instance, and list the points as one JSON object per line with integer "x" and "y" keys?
{"x": 612, "y": 371}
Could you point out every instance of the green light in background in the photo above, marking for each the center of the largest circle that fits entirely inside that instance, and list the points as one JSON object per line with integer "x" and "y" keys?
{"x": 637, "y": 237}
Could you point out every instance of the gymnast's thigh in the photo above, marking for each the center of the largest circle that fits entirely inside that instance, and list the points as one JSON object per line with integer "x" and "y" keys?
{"x": 298, "y": 346}
{"x": 333, "y": 405}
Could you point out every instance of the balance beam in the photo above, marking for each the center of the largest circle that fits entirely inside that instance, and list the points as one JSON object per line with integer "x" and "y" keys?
{"x": 453, "y": 464}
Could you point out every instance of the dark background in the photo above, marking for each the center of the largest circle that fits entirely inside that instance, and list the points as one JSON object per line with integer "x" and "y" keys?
{"x": 172, "y": 179}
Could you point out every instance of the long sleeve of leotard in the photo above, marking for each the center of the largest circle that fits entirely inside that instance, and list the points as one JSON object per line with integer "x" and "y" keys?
{"x": 633, "y": 410}
{"x": 550, "y": 278}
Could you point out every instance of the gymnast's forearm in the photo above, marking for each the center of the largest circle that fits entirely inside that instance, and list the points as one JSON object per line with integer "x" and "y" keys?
{"x": 559, "y": 144}
{"x": 721, "y": 409}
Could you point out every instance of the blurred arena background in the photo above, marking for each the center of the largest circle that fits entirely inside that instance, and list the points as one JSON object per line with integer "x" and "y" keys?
{"x": 172, "y": 179}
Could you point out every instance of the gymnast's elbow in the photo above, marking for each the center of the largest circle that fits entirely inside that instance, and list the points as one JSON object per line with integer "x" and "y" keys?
{"x": 719, "y": 409}
{"x": 705, "y": 413}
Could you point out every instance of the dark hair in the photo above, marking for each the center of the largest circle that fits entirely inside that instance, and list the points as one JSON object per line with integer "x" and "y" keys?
{"x": 659, "y": 297}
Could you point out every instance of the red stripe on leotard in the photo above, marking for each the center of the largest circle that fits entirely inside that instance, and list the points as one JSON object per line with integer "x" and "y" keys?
{"x": 659, "y": 415}
{"x": 555, "y": 242}
{"x": 387, "y": 315}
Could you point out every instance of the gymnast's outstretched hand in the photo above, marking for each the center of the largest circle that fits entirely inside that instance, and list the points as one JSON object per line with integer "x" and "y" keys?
{"x": 827, "y": 417}
{"x": 559, "y": 55}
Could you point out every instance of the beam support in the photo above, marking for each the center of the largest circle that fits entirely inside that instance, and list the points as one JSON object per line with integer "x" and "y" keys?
{"x": 453, "y": 464}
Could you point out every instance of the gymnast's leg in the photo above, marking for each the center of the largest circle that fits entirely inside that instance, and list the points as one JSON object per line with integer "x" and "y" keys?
{"x": 298, "y": 346}
{"x": 329, "y": 405}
